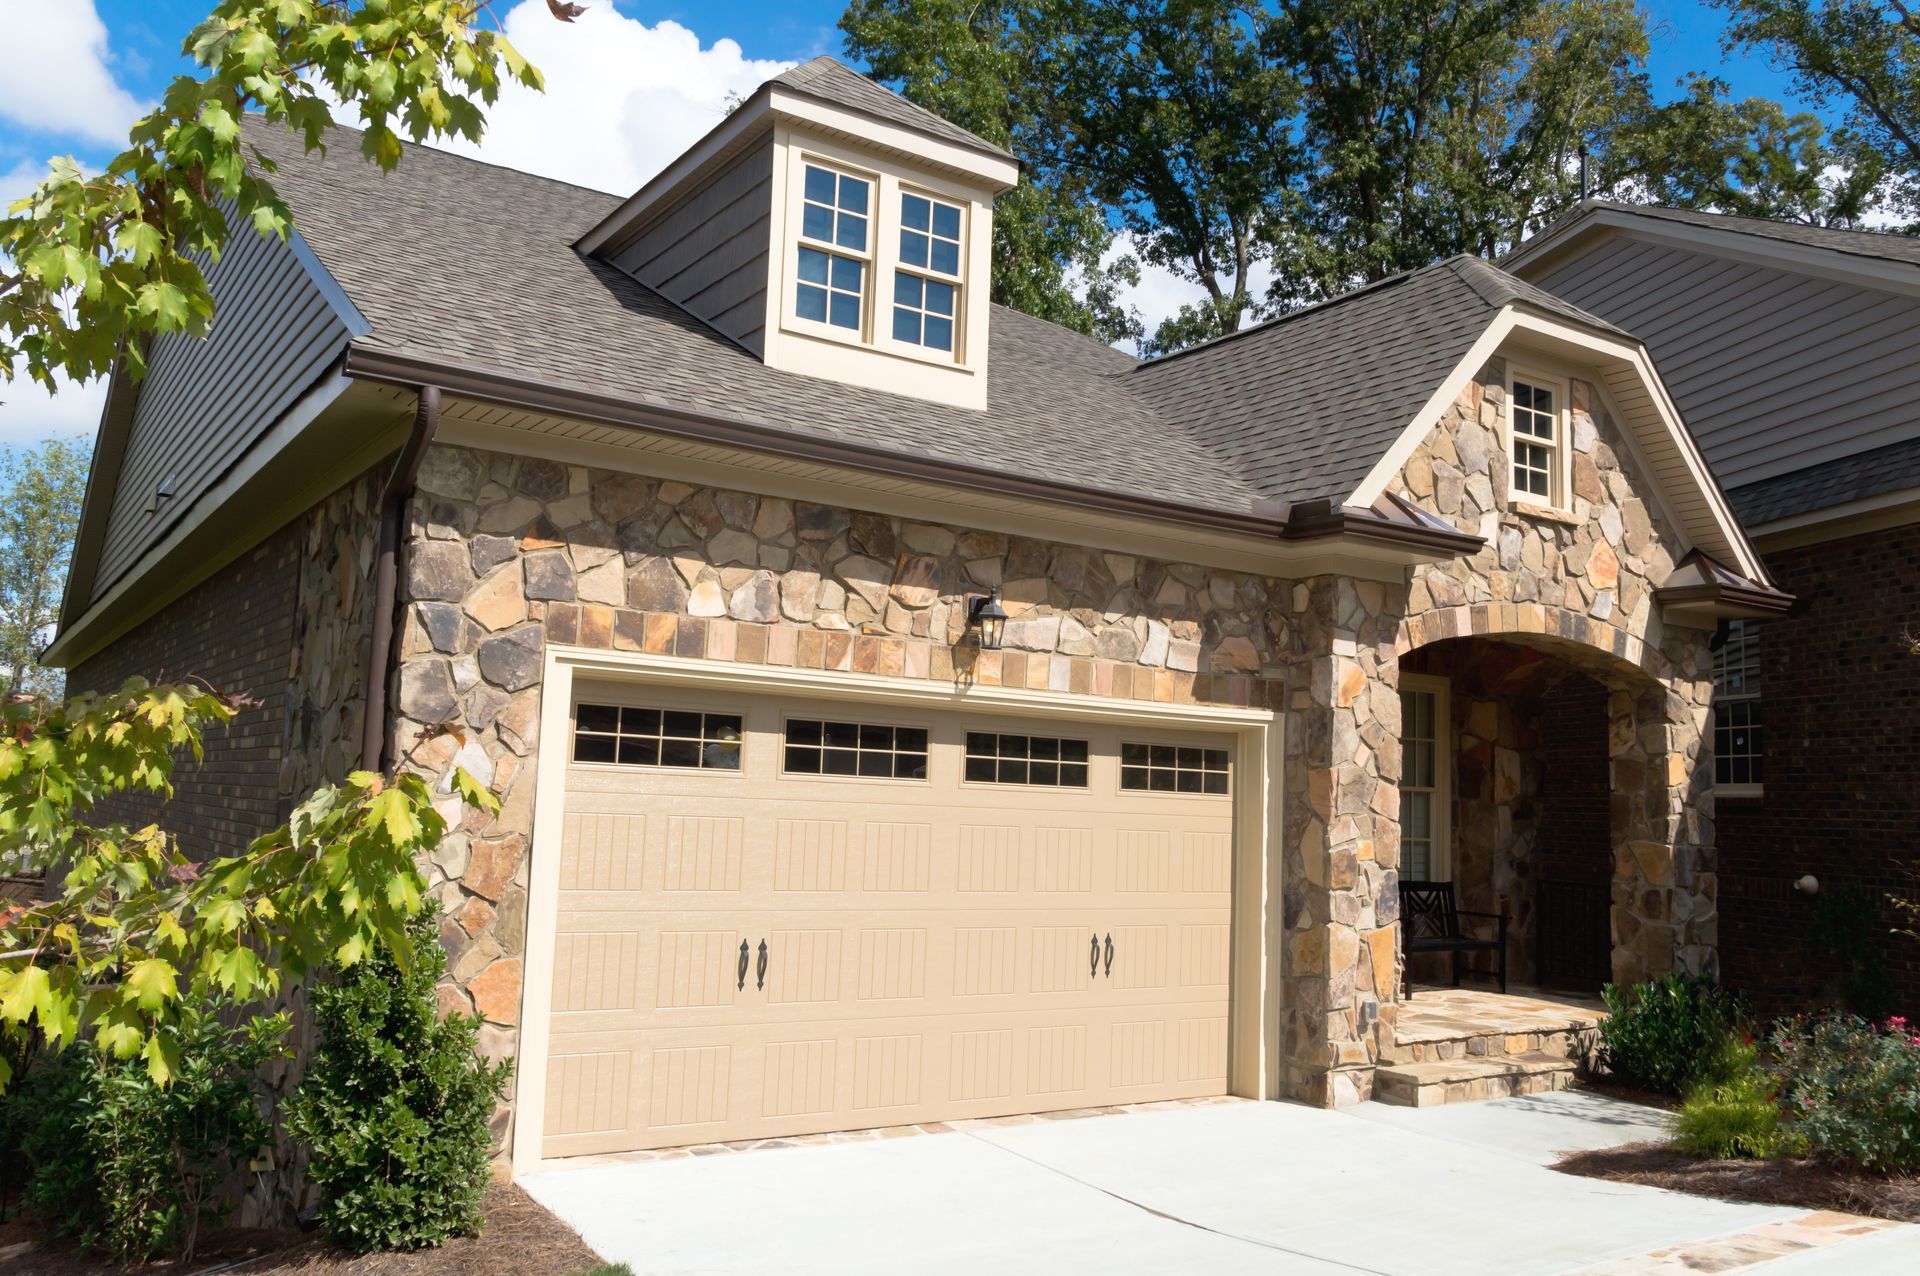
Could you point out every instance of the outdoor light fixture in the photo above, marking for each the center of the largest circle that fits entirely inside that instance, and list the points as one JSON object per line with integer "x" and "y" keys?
{"x": 985, "y": 614}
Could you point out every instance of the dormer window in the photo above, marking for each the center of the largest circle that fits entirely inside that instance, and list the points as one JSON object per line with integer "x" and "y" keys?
{"x": 1537, "y": 440}
{"x": 926, "y": 284}
{"x": 832, "y": 284}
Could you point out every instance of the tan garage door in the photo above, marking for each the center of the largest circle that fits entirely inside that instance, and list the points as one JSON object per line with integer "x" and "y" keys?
{"x": 788, "y": 916}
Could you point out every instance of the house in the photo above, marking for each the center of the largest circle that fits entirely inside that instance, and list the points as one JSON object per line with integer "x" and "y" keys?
{"x": 693, "y": 510}
{"x": 1790, "y": 352}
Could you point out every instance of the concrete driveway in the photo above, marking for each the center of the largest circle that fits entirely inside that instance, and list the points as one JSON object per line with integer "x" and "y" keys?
{"x": 1239, "y": 1187}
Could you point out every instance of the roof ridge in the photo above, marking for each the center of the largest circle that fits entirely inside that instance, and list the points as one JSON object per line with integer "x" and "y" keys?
{"x": 257, "y": 119}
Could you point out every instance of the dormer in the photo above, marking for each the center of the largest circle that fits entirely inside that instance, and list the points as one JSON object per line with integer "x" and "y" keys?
{"x": 834, "y": 229}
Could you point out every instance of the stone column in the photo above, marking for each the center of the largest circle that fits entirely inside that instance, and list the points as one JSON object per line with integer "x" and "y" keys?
{"x": 1341, "y": 900}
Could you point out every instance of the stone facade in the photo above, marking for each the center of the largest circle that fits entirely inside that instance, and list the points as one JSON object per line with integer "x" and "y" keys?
{"x": 507, "y": 554}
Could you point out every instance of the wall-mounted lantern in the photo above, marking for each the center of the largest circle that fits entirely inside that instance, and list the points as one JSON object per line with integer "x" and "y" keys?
{"x": 987, "y": 618}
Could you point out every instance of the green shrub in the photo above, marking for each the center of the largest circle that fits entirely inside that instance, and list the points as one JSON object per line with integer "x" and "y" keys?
{"x": 1852, "y": 1090}
{"x": 121, "y": 1164}
{"x": 1734, "y": 1115}
{"x": 1668, "y": 1035}
{"x": 395, "y": 1105}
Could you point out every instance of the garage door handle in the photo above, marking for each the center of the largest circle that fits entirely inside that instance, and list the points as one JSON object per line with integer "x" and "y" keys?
{"x": 1109, "y": 956}
{"x": 760, "y": 972}
{"x": 743, "y": 965}
{"x": 1093, "y": 955}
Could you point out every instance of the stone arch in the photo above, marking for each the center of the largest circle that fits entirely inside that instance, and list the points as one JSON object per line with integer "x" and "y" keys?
{"x": 1663, "y": 888}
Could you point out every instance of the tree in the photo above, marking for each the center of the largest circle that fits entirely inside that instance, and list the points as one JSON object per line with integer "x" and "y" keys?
{"x": 1750, "y": 158}
{"x": 140, "y": 937}
{"x": 92, "y": 265}
{"x": 40, "y": 496}
{"x": 1861, "y": 54}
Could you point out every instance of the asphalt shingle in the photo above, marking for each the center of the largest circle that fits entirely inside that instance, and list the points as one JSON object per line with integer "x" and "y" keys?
{"x": 827, "y": 78}
{"x": 1879, "y": 244}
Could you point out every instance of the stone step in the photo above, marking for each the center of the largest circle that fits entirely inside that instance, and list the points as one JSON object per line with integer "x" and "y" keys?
{"x": 1573, "y": 1042}
{"x": 1428, "y": 1085}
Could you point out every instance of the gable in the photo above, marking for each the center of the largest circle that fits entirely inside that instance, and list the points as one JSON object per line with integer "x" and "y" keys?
{"x": 164, "y": 442}
{"x": 1775, "y": 370}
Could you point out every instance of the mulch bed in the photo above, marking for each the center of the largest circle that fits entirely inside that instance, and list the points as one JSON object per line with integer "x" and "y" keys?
{"x": 1806, "y": 1184}
{"x": 521, "y": 1239}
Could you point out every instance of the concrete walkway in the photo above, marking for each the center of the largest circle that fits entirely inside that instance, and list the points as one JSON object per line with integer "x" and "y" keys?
{"x": 1241, "y": 1187}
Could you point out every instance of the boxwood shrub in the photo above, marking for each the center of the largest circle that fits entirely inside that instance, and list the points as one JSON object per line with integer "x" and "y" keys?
{"x": 395, "y": 1105}
{"x": 1667, "y": 1035}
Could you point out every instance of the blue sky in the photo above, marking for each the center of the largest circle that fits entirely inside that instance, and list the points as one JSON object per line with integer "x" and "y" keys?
{"x": 629, "y": 86}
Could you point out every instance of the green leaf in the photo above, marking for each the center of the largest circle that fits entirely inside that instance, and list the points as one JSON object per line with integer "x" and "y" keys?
{"x": 27, "y": 994}
{"x": 393, "y": 812}
{"x": 163, "y": 1059}
{"x": 152, "y": 983}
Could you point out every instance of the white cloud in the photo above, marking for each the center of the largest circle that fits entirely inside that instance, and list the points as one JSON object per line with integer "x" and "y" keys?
{"x": 623, "y": 99}
{"x": 1160, "y": 293}
{"x": 55, "y": 74}
{"x": 29, "y": 414}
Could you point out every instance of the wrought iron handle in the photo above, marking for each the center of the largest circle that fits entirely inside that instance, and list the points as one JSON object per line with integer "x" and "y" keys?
{"x": 1109, "y": 956}
{"x": 760, "y": 972}
{"x": 743, "y": 964}
{"x": 1093, "y": 955}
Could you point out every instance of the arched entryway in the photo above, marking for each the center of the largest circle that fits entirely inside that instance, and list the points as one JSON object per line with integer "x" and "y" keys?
{"x": 1564, "y": 785}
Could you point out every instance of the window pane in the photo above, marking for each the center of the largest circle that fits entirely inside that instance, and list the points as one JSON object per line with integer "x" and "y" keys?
{"x": 686, "y": 725}
{"x": 813, "y": 266}
{"x": 842, "y": 761}
{"x": 906, "y": 326}
{"x": 844, "y": 735}
{"x": 819, "y": 185}
{"x": 909, "y": 766}
{"x": 914, "y": 212}
{"x": 939, "y": 298}
{"x": 852, "y": 232}
{"x": 946, "y": 257}
{"x": 844, "y": 311}
{"x": 906, "y": 288}
{"x": 640, "y": 721}
{"x": 594, "y": 748}
{"x": 876, "y": 737}
{"x": 946, "y": 221}
{"x": 802, "y": 760}
{"x": 1133, "y": 777}
{"x": 598, "y": 717}
{"x": 853, "y": 194}
{"x": 1073, "y": 775}
{"x": 680, "y": 753}
{"x": 939, "y": 334}
{"x": 910, "y": 739}
{"x": 847, "y": 274}
{"x": 804, "y": 732}
{"x": 980, "y": 770}
{"x": 913, "y": 248}
{"x": 877, "y": 765}
{"x": 816, "y": 222}
{"x": 1073, "y": 750}
{"x": 638, "y": 751}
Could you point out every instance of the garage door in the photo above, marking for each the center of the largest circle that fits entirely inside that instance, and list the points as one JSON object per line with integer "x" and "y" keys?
{"x": 784, "y": 916}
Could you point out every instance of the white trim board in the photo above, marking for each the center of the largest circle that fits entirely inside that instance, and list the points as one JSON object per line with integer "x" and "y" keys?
{"x": 1254, "y": 1044}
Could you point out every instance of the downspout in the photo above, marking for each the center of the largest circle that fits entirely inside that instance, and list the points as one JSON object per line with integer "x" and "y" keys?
{"x": 386, "y": 574}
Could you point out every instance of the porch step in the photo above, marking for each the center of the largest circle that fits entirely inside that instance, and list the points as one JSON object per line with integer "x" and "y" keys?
{"x": 1428, "y": 1085}
{"x": 1575, "y": 1041}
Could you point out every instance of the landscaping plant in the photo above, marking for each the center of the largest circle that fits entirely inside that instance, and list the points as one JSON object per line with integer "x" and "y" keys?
{"x": 122, "y": 1163}
{"x": 395, "y": 1105}
{"x": 1852, "y": 1089}
{"x": 1735, "y": 1114}
{"x": 141, "y": 936}
{"x": 1667, "y": 1035}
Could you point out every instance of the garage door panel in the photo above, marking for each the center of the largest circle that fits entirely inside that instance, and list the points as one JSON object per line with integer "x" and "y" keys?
{"x": 935, "y": 948}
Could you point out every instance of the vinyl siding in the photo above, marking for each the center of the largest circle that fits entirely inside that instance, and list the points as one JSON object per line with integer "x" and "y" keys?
{"x": 1773, "y": 371}
{"x": 278, "y": 324}
{"x": 708, "y": 253}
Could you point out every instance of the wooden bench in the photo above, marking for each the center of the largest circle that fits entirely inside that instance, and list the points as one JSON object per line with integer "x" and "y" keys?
{"x": 1430, "y": 923}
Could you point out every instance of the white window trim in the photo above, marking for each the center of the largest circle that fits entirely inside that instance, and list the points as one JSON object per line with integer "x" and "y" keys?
{"x": 884, "y": 331}
{"x": 1560, "y": 500}
{"x": 882, "y": 258}
{"x": 1441, "y": 867}
{"x": 801, "y": 160}
{"x": 1720, "y": 696}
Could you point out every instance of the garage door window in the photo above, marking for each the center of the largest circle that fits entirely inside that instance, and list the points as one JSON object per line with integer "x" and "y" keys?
{"x": 864, "y": 749}
{"x": 657, "y": 737}
{"x": 1026, "y": 759}
{"x": 1165, "y": 768}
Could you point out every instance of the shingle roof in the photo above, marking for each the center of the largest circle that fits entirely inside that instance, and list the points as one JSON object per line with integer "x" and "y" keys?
{"x": 828, "y": 79}
{"x": 1877, "y": 244}
{"x": 457, "y": 261}
{"x": 1304, "y": 405}
{"x": 1850, "y": 478}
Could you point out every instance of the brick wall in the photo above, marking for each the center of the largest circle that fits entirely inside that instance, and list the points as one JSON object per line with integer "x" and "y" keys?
{"x": 1841, "y": 698}
{"x": 236, "y": 631}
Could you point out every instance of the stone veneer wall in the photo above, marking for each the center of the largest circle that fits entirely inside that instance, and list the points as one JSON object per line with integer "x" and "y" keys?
{"x": 1578, "y": 583}
{"x": 510, "y": 553}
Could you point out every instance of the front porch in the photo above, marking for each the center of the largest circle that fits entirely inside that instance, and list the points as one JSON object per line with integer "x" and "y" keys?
{"x": 1453, "y": 1045}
